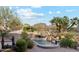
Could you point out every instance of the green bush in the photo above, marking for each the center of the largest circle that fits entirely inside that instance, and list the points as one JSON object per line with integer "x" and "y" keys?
{"x": 21, "y": 45}
{"x": 74, "y": 45}
{"x": 28, "y": 40}
{"x": 69, "y": 35}
{"x": 66, "y": 42}
{"x": 24, "y": 35}
{"x": 29, "y": 43}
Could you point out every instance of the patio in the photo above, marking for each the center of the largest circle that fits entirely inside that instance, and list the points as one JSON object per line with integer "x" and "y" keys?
{"x": 38, "y": 49}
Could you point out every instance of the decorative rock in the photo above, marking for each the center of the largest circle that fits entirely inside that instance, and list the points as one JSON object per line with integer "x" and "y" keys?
{"x": 77, "y": 48}
{"x": 7, "y": 50}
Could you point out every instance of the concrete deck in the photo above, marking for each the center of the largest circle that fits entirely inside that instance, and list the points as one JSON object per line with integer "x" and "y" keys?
{"x": 38, "y": 49}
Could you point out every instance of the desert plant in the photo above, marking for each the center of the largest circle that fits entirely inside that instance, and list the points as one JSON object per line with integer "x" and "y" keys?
{"x": 30, "y": 44}
{"x": 74, "y": 45}
{"x": 69, "y": 35}
{"x": 66, "y": 42}
{"x": 21, "y": 45}
{"x": 24, "y": 35}
{"x": 7, "y": 46}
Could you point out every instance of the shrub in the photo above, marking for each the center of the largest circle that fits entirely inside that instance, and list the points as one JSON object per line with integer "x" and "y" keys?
{"x": 28, "y": 40}
{"x": 26, "y": 28}
{"x": 74, "y": 45}
{"x": 29, "y": 43}
{"x": 69, "y": 35}
{"x": 21, "y": 45}
{"x": 7, "y": 46}
{"x": 66, "y": 42}
{"x": 24, "y": 35}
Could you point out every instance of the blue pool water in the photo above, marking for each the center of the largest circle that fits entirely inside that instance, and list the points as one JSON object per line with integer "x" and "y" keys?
{"x": 42, "y": 41}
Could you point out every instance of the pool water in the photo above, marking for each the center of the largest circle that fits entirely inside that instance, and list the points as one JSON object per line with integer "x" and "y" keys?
{"x": 44, "y": 42}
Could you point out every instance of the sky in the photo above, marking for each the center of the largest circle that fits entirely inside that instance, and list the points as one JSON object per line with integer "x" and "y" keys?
{"x": 43, "y": 14}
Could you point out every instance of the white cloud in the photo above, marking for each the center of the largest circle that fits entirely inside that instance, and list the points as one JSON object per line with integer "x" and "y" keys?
{"x": 16, "y": 7}
{"x": 55, "y": 12}
{"x": 71, "y": 10}
{"x": 36, "y": 6}
{"x": 50, "y": 12}
{"x": 10, "y": 7}
{"x": 58, "y": 12}
{"x": 28, "y": 13}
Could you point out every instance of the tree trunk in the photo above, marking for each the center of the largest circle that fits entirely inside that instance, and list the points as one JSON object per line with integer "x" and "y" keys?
{"x": 13, "y": 41}
{"x": 59, "y": 30}
{"x": 2, "y": 42}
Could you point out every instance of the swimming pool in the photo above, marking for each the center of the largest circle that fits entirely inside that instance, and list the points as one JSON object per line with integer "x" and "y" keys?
{"x": 42, "y": 42}
{"x": 45, "y": 43}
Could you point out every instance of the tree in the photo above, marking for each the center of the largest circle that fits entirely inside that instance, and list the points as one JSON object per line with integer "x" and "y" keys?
{"x": 14, "y": 23}
{"x": 40, "y": 27}
{"x": 27, "y": 27}
{"x": 65, "y": 22}
{"x": 5, "y": 15}
{"x": 74, "y": 21}
{"x": 1, "y": 21}
{"x": 60, "y": 22}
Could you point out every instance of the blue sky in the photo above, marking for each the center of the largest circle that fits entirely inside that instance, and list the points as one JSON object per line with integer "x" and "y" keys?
{"x": 43, "y": 14}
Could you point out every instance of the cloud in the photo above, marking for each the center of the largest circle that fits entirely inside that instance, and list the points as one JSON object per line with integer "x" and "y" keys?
{"x": 28, "y": 13}
{"x": 58, "y": 12}
{"x": 50, "y": 12}
{"x": 69, "y": 10}
{"x": 10, "y": 7}
{"x": 36, "y": 6}
{"x": 16, "y": 7}
{"x": 54, "y": 12}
